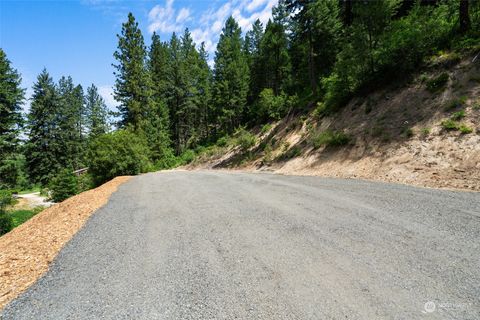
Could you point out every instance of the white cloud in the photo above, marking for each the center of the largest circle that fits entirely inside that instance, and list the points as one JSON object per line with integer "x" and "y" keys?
{"x": 207, "y": 25}
{"x": 106, "y": 91}
{"x": 166, "y": 20}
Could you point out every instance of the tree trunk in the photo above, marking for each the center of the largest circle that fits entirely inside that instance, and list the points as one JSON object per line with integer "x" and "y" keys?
{"x": 464, "y": 16}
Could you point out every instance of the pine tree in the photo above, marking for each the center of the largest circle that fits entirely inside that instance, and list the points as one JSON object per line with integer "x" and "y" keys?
{"x": 275, "y": 57}
{"x": 11, "y": 100}
{"x": 252, "y": 52}
{"x": 69, "y": 119}
{"x": 44, "y": 150}
{"x": 132, "y": 88}
{"x": 204, "y": 92}
{"x": 96, "y": 113}
{"x": 230, "y": 77}
{"x": 12, "y": 173}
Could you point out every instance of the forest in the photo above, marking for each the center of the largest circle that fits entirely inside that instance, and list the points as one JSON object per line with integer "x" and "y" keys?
{"x": 172, "y": 102}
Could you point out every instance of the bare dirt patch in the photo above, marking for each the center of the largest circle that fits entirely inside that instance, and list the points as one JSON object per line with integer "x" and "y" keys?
{"x": 27, "y": 251}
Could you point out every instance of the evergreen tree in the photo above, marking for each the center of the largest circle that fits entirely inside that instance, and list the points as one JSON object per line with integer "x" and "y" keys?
{"x": 230, "y": 77}
{"x": 275, "y": 57}
{"x": 204, "y": 92}
{"x": 96, "y": 113}
{"x": 253, "y": 39}
{"x": 132, "y": 88}
{"x": 44, "y": 149}
{"x": 69, "y": 119}
{"x": 11, "y": 121}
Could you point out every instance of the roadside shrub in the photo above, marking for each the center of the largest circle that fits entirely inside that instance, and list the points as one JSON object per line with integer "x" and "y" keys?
{"x": 118, "y": 153}
{"x": 330, "y": 138}
{"x": 63, "y": 186}
{"x": 84, "y": 182}
{"x": 437, "y": 83}
{"x": 245, "y": 139}
{"x": 187, "y": 156}
{"x": 6, "y": 223}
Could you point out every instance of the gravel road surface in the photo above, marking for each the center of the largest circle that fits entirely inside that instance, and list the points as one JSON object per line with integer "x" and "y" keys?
{"x": 218, "y": 245}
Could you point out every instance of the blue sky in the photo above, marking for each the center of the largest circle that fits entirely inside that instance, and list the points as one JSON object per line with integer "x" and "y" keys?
{"x": 78, "y": 38}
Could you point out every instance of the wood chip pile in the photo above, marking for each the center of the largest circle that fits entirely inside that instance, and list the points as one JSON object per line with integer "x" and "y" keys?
{"x": 27, "y": 251}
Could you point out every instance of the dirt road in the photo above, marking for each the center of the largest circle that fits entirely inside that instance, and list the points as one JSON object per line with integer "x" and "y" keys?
{"x": 217, "y": 245}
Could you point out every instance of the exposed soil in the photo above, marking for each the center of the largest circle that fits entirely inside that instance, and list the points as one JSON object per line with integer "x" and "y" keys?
{"x": 396, "y": 135}
{"x": 26, "y": 251}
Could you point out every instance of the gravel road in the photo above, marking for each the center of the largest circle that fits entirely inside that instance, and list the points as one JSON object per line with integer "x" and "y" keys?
{"x": 218, "y": 245}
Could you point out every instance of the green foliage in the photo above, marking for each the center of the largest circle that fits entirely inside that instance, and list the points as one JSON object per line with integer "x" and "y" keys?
{"x": 187, "y": 156}
{"x": 63, "y": 185}
{"x": 266, "y": 128}
{"x": 132, "y": 86}
{"x": 118, "y": 153}
{"x": 450, "y": 125}
{"x": 6, "y": 223}
{"x": 459, "y": 115}
{"x": 13, "y": 172}
{"x": 97, "y": 117}
{"x": 271, "y": 106}
{"x": 84, "y": 182}
{"x": 426, "y": 131}
{"x": 465, "y": 129}
{"x": 329, "y": 138}
{"x": 44, "y": 151}
{"x": 245, "y": 139}
{"x": 438, "y": 82}
{"x": 20, "y": 216}
{"x": 11, "y": 100}
{"x": 223, "y": 141}
{"x": 231, "y": 77}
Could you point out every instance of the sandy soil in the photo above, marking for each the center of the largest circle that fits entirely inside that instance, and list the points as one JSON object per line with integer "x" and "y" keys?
{"x": 26, "y": 251}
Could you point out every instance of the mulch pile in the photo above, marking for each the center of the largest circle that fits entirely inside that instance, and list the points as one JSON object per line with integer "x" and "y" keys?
{"x": 27, "y": 251}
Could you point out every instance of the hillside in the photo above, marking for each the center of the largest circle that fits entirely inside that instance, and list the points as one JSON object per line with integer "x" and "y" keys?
{"x": 423, "y": 131}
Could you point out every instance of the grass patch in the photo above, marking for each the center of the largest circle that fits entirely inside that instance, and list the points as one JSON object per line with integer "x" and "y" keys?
{"x": 450, "y": 125}
{"x": 330, "y": 138}
{"x": 437, "y": 83}
{"x": 20, "y": 216}
{"x": 465, "y": 129}
{"x": 458, "y": 115}
{"x": 426, "y": 131}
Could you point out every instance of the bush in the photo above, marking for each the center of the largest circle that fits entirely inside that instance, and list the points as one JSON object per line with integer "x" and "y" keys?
{"x": 330, "y": 138}
{"x": 6, "y": 223}
{"x": 118, "y": 153}
{"x": 438, "y": 82}
{"x": 450, "y": 125}
{"x": 271, "y": 106}
{"x": 245, "y": 139}
{"x": 63, "y": 186}
{"x": 187, "y": 156}
{"x": 223, "y": 141}
{"x": 84, "y": 182}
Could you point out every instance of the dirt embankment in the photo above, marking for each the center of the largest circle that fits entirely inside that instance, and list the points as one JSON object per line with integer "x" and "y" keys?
{"x": 26, "y": 251}
{"x": 397, "y": 135}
